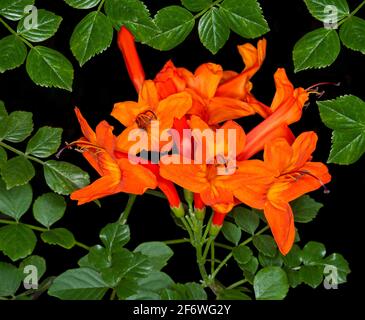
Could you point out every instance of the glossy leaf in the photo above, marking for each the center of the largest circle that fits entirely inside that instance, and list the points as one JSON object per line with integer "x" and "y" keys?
{"x": 47, "y": 25}
{"x": 293, "y": 258}
{"x": 187, "y": 291}
{"x": 17, "y": 241}
{"x": 60, "y": 237}
{"x": 231, "y": 232}
{"x": 245, "y": 17}
{"x": 323, "y": 9}
{"x": 17, "y": 172}
{"x": 14, "y": 9}
{"x": 158, "y": 253}
{"x": 311, "y": 275}
{"x": 213, "y": 31}
{"x": 49, "y": 68}
{"x": 316, "y": 49}
{"x": 3, "y": 157}
{"x": 246, "y": 219}
{"x": 82, "y": 4}
{"x": 265, "y": 244}
{"x": 79, "y": 284}
{"x": 267, "y": 261}
{"x": 45, "y": 142}
{"x": 17, "y": 126}
{"x": 352, "y": 34}
{"x": 16, "y": 201}
{"x": 63, "y": 177}
{"x": 305, "y": 209}
{"x": 271, "y": 283}
{"x": 196, "y": 5}
{"x": 49, "y": 208}
{"x": 242, "y": 254}
{"x": 35, "y": 261}
{"x": 11, "y": 278}
{"x": 97, "y": 258}
{"x": 232, "y": 294}
{"x": 12, "y": 53}
{"x": 312, "y": 252}
{"x": 340, "y": 268}
{"x": 91, "y": 36}
{"x": 346, "y": 116}
{"x": 114, "y": 236}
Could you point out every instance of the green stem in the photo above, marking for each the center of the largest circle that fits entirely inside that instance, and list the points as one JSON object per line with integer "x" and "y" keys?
{"x": 352, "y": 13}
{"x": 113, "y": 294}
{"x": 100, "y": 5}
{"x": 20, "y": 153}
{"x": 198, "y": 15}
{"x": 230, "y": 255}
{"x": 236, "y": 284}
{"x": 177, "y": 241}
{"x": 212, "y": 257}
{"x": 40, "y": 229}
{"x": 128, "y": 208}
{"x": 155, "y": 193}
{"x": 15, "y": 33}
{"x": 224, "y": 246}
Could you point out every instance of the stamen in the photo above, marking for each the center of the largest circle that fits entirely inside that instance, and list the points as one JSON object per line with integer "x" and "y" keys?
{"x": 317, "y": 85}
{"x": 145, "y": 118}
{"x": 325, "y": 189}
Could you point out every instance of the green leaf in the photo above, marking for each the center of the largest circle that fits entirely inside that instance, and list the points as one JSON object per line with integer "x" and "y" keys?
{"x": 267, "y": 261}
{"x": 320, "y": 11}
{"x": 316, "y": 49}
{"x": 265, "y": 244}
{"x": 97, "y": 258}
{"x": 271, "y": 283}
{"x": 158, "y": 253}
{"x": 231, "y": 232}
{"x": 47, "y": 25}
{"x": 246, "y": 219}
{"x": 45, "y": 142}
{"x": 18, "y": 126}
{"x": 352, "y": 34}
{"x": 49, "y": 68}
{"x": 294, "y": 277}
{"x": 242, "y": 254}
{"x": 49, "y": 208}
{"x": 134, "y": 15}
{"x": 11, "y": 278}
{"x": 14, "y": 9}
{"x": 245, "y": 17}
{"x": 3, "y": 157}
{"x": 249, "y": 269}
{"x": 82, "y": 4}
{"x": 114, "y": 236}
{"x": 346, "y": 116}
{"x": 17, "y": 172}
{"x": 79, "y": 284}
{"x": 12, "y": 53}
{"x": 35, "y": 261}
{"x": 92, "y": 35}
{"x": 187, "y": 291}
{"x": 313, "y": 252}
{"x": 342, "y": 267}
{"x": 311, "y": 275}
{"x": 213, "y": 31}
{"x": 155, "y": 281}
{"x": 63, "y": 177}
{"x": 293, "y": 258}
{"x": 60, "y": 237}
{"x": 3, "y": 112}
{"x": 196, "y": 5}
{"x": 16, "y": 201}
{"x": 175, "y": 24}
{"x": 232, "y": 294}
{"x": 17, "y": 241}
{"x": 305, "y": 209}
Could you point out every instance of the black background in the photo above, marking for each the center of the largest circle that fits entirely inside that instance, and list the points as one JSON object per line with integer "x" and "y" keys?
{"x": 104, "y": 81}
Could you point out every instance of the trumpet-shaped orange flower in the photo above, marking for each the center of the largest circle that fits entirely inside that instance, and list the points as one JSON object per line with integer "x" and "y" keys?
{"x": 139, "y": 116}
{"x": 117, "y": 175}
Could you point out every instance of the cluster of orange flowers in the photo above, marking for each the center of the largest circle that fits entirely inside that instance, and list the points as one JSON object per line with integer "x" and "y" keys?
{"x": 208, "y": 99}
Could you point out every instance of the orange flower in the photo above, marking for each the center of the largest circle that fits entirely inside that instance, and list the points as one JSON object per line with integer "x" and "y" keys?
{"x": 294, "y": 175}
{"x": 138, "y": 116}
{"x": 117, "y": 175}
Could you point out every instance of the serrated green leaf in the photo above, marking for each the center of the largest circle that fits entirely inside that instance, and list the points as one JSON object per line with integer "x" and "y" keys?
{"x": 293, "y": 258}
{"x": 35, "y": 261}
{"x": 60, "y": 237}
{"x": 14, "y": 9}
{"x": 187, "y": 291}
{"x": 18, "y": 126}
{"x": 213, "y": 31}
{"x": 134, "y": 15}
{"x": 323, "y": 9}
{"x": 155, "y": 281}
{"x": 246, "y": 219}
{"x": 232, "y": 294}
{"x": 346, "y": 116}
{"x": 49, "y": 208}
{"x": 92, "y": 35}
{"x": 265, "y": 244}
{"x": 316, "y": 49}
{"x": 340, "y": 268}
{"x": 242, "y": 254}
{"x": 82, "y": 4}
{"x": 97, "y": 259}
{"x": 271, "y": 283}
{"x": 196, "y": 5}
{"x": 305, "y": 209}
{"x": 114, "y": 236}
{"x": 352, "y": 34}
{"x": 17, "y": 172}
{"x": 12, "y": 53}
{"x": 11, "y": 278}
{"x": 313, "y": 252}
{"x": 47, "y": 25}
{"x": 231, "y": 232}
{"x": 17, "y": 241}
{"x": 158, "y": 253}
{"x": 49, "y": 68}
{"x": 175, "y": 24}
{"x": 3, "y": 157}
{"x": 311, "y": 275}
{"x": 45, "y": 142}
{"x": 245, "y": 17}
{"x": 16, "y": 201}
{"x": 79, "y": 284}
{"x": 63, "y": 177}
